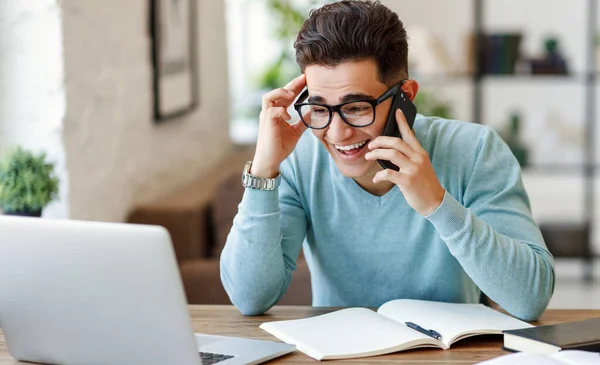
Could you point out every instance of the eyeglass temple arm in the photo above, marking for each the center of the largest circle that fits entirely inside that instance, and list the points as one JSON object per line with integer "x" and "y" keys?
{"x": 302, "y": 98}
{"x": 394, "y": 90}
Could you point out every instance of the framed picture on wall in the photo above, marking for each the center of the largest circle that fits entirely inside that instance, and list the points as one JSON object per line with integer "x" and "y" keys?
{"x": 173, "y": 29}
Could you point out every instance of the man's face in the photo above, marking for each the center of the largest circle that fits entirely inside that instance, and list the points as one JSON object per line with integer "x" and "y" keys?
{"x": 347, "y": 82}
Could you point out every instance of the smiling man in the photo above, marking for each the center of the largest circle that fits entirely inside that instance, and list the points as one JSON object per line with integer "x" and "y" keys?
{"x": 454, "y": 222}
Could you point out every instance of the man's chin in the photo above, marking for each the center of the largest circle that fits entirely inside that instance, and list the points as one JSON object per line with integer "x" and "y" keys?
{"x": 353, "y": 172}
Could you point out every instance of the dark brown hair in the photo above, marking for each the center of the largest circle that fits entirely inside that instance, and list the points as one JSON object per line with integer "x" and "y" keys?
{"x": 354, "y": 30}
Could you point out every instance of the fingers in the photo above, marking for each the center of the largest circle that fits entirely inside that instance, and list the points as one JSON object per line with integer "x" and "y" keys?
{"x": 407, "y": 134}
{"x": 393, "y": 143}
{"x": 296, "y": 85}
{"x": 278, "y": 112}
{"x": 394, "y": 156}
{"x": 277, "y": 97}
{"x": 284, "y": 96}
{"x": 396, "y": 177}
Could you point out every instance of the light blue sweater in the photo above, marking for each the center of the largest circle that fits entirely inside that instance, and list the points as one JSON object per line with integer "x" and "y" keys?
{"x": 363, "y": 250}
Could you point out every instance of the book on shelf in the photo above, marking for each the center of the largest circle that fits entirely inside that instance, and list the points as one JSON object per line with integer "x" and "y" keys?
{"x": 499, "y": 53}
{"x": 580, "y": 335}
{"x": 397, "y": 325}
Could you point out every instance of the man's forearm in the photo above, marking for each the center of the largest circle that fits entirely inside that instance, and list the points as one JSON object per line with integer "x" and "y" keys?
{"x": 517, "y": 275}
{"x": 254, "y": 269}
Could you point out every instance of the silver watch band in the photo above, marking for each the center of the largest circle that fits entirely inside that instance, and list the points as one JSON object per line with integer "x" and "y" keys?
{"x": 258, "y": 183}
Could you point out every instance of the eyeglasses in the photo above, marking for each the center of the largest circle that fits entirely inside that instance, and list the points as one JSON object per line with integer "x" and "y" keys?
{"x": 358, "y": 113}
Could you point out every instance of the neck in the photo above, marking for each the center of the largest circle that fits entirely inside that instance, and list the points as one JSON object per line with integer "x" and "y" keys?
{"x": 377, "y": 189}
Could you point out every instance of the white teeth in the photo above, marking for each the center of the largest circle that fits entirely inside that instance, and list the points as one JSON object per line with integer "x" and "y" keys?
{"x": 350, "y": 146}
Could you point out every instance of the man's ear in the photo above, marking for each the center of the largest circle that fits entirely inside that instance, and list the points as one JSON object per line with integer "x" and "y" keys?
{"x": 411, "y": 88}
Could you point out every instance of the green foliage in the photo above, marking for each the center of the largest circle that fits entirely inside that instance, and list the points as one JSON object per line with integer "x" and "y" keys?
{"x": 27, "y": 182}
{"x": 288, "y": 20}
{"x": 511, "y": 133}
{"x": 429, "y": 105}
{"x": 279, "y": 73}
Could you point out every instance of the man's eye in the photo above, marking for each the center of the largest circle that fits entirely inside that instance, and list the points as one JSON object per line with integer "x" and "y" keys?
{"x": 319, "y": 111}
{"x": 357, "y": 109}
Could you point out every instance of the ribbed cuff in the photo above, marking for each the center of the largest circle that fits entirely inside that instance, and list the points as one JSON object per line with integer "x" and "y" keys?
{"x": 260, "y": 201}
{"x": 449, "y": 217}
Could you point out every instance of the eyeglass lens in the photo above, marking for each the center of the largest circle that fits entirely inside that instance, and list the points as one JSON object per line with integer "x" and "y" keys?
{"x": 357, "y": 114}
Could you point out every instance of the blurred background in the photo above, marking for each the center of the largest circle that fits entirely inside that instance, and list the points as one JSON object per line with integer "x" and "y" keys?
{"x": 146, "y": 110}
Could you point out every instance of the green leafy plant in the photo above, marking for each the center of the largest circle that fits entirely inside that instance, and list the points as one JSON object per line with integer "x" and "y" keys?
{"x": 513, "y": 138}
{"x": 288, "y": 21}
{"x": 27, "y": 182}
{"x": 429, "y": 105}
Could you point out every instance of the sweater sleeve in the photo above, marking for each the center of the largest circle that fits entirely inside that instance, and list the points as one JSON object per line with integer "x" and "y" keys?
{"x": 262, "y": 247}
{"x": 493, "y": 235}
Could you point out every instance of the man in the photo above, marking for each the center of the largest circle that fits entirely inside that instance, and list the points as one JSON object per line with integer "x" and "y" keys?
{"x": 453, "y": 222}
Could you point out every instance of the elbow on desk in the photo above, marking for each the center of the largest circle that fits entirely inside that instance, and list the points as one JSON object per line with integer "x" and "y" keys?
{"x": 531, "y": 307}
{"x": 528, "y": 312}
{"x": 251, "y": 309}
{"x": 249, "y": 301}
{"x": 247, "y": 306}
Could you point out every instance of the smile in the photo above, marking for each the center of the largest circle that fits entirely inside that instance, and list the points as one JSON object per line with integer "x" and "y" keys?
{"x": 351, "y": 147}
{"x": 351, "y": 153}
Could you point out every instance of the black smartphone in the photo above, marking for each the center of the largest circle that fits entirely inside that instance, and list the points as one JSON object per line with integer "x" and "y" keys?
{"x": 399, "y": 101}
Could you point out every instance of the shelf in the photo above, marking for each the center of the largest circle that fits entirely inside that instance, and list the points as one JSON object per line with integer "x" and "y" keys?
{"x": 550, "y": 169}
{"x": 440, "y": 79}
{"x": 575, "y": 181}
{"x": 560, "y": 169}
{"x": 572, "y": 78}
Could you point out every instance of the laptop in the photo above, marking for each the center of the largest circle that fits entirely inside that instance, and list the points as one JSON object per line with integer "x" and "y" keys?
{"x": 75, "y": 292}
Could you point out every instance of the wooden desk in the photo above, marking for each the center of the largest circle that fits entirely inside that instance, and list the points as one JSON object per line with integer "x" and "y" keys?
{"x": 226, "y": 320}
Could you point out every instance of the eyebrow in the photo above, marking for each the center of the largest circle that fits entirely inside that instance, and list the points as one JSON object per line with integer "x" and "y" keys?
{"x": 345, "y": 98}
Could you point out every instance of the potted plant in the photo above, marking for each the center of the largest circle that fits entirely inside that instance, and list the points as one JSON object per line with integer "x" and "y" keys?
{"x": 27, "y": 183}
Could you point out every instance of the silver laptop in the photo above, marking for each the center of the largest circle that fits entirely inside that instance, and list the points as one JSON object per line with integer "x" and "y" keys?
{"x": 75, "y": 292}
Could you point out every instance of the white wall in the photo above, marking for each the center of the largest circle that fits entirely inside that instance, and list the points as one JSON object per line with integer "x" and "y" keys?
{"x": 32, "y": 92}
{"x": 116, "y": 156}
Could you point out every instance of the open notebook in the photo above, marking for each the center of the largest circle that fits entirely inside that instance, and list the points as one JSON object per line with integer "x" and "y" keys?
{"x": 360, "y": 332}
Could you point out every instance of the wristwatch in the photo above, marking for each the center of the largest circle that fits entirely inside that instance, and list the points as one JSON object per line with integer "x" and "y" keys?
{"x": 258, "y": 183}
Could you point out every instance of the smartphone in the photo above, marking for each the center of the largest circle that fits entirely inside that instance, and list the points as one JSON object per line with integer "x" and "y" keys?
{"x": 400, "y": 101}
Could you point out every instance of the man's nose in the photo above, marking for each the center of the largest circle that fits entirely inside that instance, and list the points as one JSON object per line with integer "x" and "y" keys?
{"x": 338, "y": 130}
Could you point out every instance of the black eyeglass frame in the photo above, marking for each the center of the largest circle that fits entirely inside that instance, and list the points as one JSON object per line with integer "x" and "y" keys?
{"x": 337, "y": 108}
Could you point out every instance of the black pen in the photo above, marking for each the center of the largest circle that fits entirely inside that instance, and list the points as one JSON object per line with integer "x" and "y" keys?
{"x": 430, "y": 333}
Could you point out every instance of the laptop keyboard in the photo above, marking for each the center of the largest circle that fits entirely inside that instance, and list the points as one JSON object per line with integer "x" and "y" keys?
{"x": 209, "y": 358}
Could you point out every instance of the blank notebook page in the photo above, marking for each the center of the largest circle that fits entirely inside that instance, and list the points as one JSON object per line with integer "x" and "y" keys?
{"x": 344, "y": 332}
{"x": 450, "y": 319}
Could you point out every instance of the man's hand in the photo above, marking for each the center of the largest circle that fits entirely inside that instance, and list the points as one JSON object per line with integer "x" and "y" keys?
{"x": 276, "y": 137}
{"x": 416, "y": 178}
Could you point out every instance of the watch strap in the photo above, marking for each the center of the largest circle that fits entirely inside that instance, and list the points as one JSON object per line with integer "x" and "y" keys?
{"x": 259, "y": 183}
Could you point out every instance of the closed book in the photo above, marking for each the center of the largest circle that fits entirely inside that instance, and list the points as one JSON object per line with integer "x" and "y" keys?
{"x": 581, "y": 335}
{"x": 567, "y": 357}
